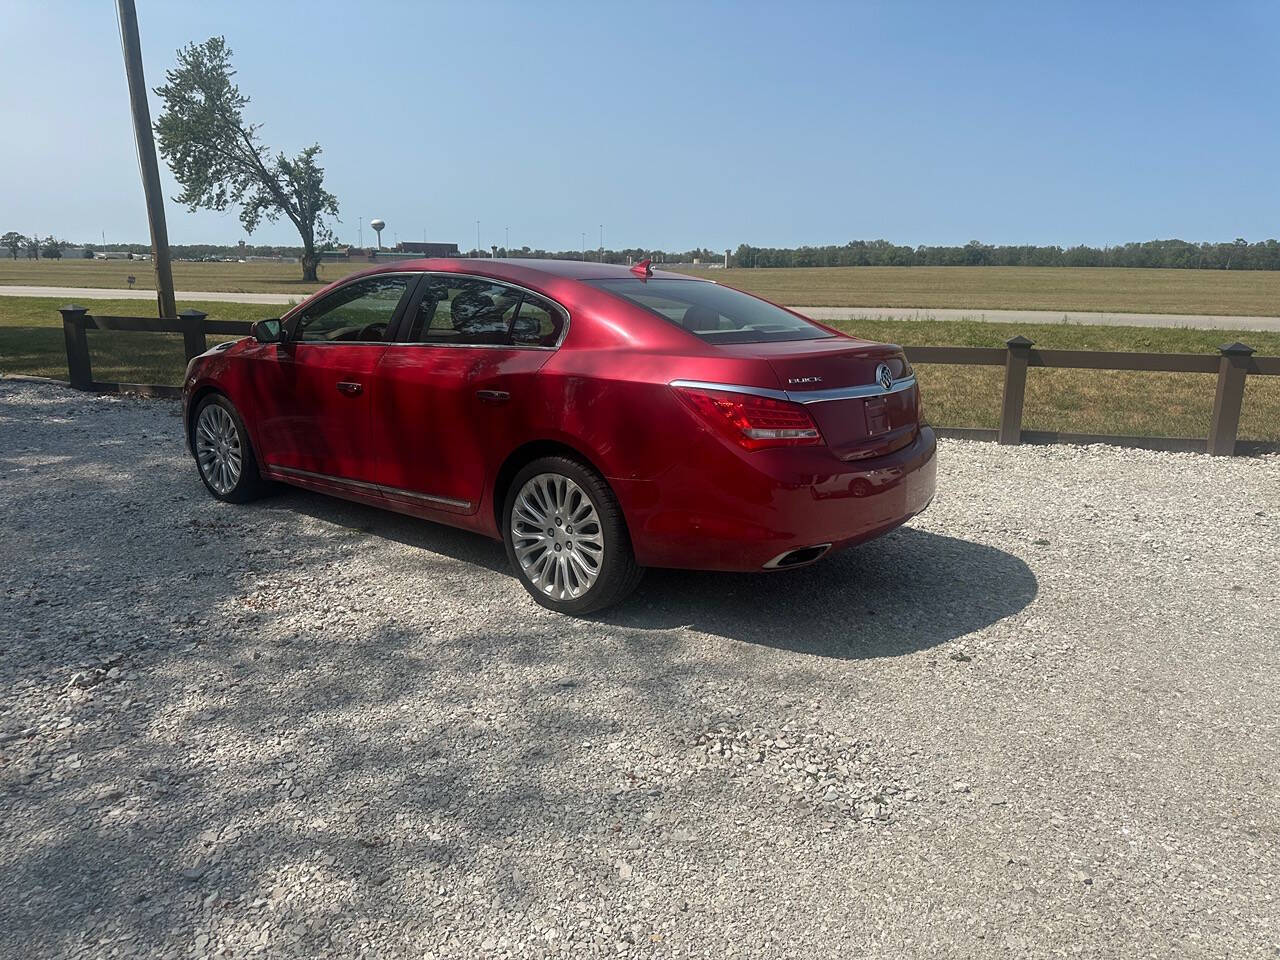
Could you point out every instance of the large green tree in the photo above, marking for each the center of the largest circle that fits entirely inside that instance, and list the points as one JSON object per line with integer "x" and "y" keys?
{"x": 13, "y": 242}
{"x": 218, "y": 159}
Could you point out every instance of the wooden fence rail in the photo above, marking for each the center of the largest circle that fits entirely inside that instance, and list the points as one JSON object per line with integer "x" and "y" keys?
{"x": 1233, "y": 364}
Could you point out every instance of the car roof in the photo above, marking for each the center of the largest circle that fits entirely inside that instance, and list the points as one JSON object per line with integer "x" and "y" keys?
{"x": 515, "y": 267}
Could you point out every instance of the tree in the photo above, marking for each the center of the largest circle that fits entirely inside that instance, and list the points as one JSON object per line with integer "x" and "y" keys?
{"x": 52, "y": 248}
{"x": 218, "y": 159}
{"x": 13, "y": 241}
{"x": 33, "y": 248}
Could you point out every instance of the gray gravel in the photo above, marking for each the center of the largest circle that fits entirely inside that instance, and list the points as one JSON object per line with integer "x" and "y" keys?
{"x": 1043, "y": 720}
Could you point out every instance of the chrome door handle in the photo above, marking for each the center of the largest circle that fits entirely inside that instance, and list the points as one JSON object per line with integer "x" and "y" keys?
{"x": 493, "y": 396}
{"x": 350, "y": 387}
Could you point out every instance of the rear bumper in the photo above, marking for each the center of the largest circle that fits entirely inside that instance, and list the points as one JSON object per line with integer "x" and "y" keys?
{"x": 742, "y": 511}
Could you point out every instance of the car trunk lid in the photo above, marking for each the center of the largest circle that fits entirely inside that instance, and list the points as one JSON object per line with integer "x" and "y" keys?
{"x": 813, "y": 372}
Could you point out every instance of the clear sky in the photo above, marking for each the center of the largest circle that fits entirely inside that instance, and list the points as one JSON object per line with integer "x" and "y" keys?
{"x": 674, "y": 125}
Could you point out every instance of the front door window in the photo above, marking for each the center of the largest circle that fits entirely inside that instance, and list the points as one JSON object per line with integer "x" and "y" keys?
{"x": 360, "y": 312}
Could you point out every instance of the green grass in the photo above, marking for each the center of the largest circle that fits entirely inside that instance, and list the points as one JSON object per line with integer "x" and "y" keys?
{"x": 1084, "y": 401}
{"x": 1119, "y": 290}
{"x": 31, "y": 340}
{"x": 1081, "y": 401}
{"x": 1098, "y": 289}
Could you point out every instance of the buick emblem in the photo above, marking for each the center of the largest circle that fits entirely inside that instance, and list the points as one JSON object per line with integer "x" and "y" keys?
{"x": 884, "y": 376}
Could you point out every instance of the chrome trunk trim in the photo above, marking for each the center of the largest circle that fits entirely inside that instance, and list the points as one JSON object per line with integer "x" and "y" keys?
{"x": 804, "y": 396}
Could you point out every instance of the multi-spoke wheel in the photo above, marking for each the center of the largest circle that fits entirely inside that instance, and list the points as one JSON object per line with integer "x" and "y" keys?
{"x": 566, "y": 537}
{"x": 223, "y": 455}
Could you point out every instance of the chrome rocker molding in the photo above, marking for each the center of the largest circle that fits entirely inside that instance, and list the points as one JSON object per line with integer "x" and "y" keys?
{"x": 805, "y": 396}
{"x": 373, "y": 487}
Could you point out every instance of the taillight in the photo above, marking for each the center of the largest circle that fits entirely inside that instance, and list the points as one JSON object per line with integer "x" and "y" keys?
{"x": 750, "y": 421}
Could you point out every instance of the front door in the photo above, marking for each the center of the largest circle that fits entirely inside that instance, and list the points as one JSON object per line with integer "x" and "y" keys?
{"x": 322, "y": 381}
{"x": 458, "y": 391}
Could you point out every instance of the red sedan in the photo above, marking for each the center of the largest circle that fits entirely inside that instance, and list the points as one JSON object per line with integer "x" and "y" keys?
{"x": 598, "y": 419}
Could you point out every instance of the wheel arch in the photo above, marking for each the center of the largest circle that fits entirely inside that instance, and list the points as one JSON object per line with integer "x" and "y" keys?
{"x": 189, "y": 415}
{"x": 197, "y": 396}
{"x": 525, "y": 454}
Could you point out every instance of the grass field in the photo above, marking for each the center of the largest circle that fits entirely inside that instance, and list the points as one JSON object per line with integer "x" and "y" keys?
{"x": 1151, "y": 404}
{"x": 1233, "y": 293}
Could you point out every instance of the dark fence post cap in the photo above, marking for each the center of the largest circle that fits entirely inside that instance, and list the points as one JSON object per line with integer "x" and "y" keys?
{"x": 1019, "y": 343}
{"x": 192, "y": 312}
{"x": 1236, "y": 349}
{"x": 73, "y": 308}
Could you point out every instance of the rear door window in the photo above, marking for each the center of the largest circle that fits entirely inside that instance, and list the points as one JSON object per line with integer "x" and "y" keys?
{"x": 472, "y": 311}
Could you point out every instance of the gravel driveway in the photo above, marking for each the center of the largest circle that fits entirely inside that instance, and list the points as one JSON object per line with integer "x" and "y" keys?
{"x": 1042, "y": 720}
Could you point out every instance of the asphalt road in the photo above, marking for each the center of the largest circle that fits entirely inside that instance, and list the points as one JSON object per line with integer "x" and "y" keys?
{"x": 1196, "y": 321}
{"x": 1043, "y": 720}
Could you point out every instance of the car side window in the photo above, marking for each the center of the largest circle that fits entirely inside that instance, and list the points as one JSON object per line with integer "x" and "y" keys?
{"x": 538, "y": 323}
{"x": 465, "y": 311}
{"x": 359, "y": 312}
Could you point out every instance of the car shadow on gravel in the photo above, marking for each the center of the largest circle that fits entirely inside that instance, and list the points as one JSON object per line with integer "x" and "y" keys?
{"x": 907, "y": 591}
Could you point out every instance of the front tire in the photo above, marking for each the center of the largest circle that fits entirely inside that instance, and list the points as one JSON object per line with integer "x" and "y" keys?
{"x": 566, "y": 537}
{"x": 224, "y": 455}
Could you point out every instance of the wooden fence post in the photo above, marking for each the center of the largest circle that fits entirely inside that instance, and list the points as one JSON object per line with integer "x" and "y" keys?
{"x": 73, "y": 332}
{"x": 193, "y": 341}
{"x": 1225, "y": 424}
{"x": 1015, "y": 388}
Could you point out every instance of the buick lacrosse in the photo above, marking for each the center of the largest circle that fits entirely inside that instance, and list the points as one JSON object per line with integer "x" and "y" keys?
{"x": 598, "y": 419}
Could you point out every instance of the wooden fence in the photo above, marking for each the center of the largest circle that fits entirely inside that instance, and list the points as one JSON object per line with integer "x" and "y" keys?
{"x": 1233, "y": 364}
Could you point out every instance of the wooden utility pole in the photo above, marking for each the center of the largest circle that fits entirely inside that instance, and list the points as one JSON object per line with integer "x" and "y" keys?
{"x": 147, "y": 164}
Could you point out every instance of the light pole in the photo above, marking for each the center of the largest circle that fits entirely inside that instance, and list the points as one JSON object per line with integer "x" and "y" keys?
{"x": 506, "y": 244}
{"x": 602, "y": 243}
{"x": 584, "y": 245}
{"x": 477, "y": 238}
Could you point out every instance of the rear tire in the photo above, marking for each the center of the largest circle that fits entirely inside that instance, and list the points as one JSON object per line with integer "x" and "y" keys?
{"x": 224, "y": 455}
{"x": 566, "y": 537}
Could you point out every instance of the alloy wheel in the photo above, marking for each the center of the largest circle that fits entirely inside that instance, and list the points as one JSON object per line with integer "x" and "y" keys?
{"x": 218, "y": 450}
{"x": 557, "y": 536}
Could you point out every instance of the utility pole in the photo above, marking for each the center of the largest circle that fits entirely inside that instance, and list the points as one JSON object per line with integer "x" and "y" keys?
{"x": 584, "y": 246}
{"x": 602, "y": 243}
{"x": 147, "y": 164}
{"x": 478, "y": 239}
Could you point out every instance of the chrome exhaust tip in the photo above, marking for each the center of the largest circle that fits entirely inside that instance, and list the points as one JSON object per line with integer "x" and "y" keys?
{"x": 798, "y": 557}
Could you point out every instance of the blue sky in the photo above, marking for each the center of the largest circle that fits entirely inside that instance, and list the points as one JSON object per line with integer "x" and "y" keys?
{"x": 681, "y": 124}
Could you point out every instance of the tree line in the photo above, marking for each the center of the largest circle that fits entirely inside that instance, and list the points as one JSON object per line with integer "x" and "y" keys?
{"x": 1173, "y": 254}
{"x": 32, "y": 247}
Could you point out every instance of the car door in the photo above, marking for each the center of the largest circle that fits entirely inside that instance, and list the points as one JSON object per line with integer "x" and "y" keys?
{"x": 458, "y": 391}
{"x": 321, "y": 381}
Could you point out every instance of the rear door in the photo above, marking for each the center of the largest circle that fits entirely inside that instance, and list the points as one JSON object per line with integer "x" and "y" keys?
{"x": 319, "y": 385}
{"x": 458, "y": 392}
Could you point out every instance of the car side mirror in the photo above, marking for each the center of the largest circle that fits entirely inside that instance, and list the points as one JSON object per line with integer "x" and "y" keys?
{"x": 266, "y": 331}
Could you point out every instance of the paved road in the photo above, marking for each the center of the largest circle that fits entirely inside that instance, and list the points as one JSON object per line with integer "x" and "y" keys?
{"x": 99, "y": 293}
{"x": 1197, "y": 321}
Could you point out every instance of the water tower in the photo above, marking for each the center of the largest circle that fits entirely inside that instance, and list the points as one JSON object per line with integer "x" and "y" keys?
{"x": 377, "y": 225}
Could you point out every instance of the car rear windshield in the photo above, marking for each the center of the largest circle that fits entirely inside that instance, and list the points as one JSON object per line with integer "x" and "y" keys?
{"x": 716, "y": 314}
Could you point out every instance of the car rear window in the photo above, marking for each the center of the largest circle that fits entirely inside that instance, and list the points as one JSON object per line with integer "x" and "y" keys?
{"x": 716, "y": 314}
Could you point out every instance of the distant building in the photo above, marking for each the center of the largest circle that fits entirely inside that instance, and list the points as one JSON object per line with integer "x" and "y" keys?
{"x": 429, "y": 249}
